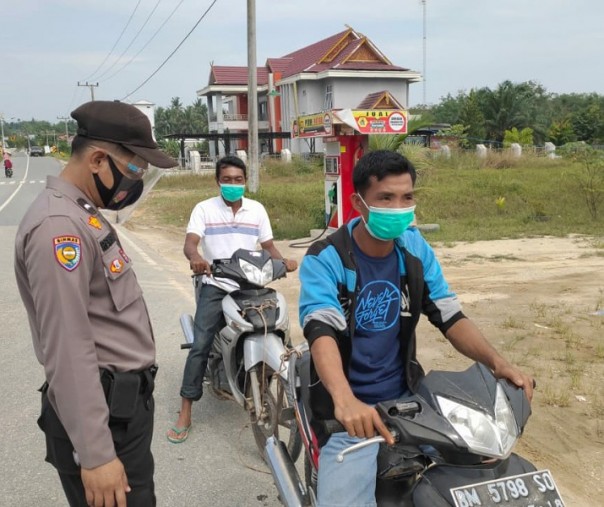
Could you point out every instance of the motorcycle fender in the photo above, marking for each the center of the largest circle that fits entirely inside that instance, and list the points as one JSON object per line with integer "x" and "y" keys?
{"x": 233, "y": 316}
{"x": 267, "y": 349}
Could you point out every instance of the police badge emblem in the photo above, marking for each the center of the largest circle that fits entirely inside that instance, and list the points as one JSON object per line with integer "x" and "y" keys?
{"x": 68, "y": 251}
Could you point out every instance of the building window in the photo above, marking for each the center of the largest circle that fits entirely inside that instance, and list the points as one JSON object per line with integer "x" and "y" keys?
{"x": 262, "y": 111}
{"x": 328, "y": 103}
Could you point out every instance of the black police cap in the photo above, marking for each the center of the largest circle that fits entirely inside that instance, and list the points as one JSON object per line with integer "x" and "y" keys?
{"x": 120, "y": 123}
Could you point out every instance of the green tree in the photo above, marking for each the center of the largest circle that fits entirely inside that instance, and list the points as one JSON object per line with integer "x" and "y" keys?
{"x": 523, "y": 137}
{"x": 449, "y": 108}
{"x": 472, "y": 118}
{"x": 506, "y": 107}
{"x": 588, "y": 122}
{"x": 561, "y": 132}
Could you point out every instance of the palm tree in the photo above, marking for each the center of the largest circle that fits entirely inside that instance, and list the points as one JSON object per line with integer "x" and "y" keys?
{"x": 506, "y": 107}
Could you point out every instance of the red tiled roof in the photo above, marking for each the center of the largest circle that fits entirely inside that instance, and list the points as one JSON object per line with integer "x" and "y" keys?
{"x": 332, "y": 53}
{"x": 277, "y": 64}
{"x": 231, "y": 75}
{"x": 371, "y": 100}
{"x": 307, "y": 57}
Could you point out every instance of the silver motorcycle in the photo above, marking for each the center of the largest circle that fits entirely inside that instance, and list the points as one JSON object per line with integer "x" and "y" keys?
{"x": 249, "y": 358}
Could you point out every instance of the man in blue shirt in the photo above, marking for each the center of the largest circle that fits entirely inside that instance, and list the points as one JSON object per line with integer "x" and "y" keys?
{"x": 363, "y": 290}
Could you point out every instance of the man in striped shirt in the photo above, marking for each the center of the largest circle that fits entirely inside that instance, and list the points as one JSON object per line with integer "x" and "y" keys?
{"x": 222, "y": 225}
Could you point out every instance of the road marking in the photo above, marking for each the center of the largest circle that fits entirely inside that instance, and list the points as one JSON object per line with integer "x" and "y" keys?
{"x": 138, "y": 249}
{"x": 18, "y": 188}
{"x": 23, "y": 182}
{"x": 189, "y": 293}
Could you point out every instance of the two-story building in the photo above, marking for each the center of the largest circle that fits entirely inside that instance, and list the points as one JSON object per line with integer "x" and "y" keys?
{"x": 345, "y": 70}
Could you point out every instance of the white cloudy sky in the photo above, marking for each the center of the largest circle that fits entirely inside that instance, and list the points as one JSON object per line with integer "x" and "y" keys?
{"x": 47, "y": 46}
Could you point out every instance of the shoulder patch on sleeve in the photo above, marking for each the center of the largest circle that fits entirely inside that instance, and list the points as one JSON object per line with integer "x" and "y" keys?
{"x": 68, "y": 251}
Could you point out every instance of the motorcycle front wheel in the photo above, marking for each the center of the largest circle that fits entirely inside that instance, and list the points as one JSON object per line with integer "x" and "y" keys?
{"x": 276, "y": 415}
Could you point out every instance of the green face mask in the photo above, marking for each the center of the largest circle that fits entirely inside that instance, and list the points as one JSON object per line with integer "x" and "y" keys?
{"x": 387, "y": 224}
{"x": 231, "y": 193}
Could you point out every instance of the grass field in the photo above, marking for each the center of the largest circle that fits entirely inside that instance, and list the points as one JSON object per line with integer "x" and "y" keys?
{"x": 471, "y": 199}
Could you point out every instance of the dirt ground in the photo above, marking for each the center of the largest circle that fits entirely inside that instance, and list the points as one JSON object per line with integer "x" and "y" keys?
{"x": 537, "y": 301}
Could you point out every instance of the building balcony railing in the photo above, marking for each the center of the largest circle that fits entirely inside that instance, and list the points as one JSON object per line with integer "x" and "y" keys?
{"x": 236, "y": 117}
{"x": 230, "y": 117}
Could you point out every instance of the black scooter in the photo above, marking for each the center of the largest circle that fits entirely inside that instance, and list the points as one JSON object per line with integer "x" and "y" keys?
{"x": 454, "y": 440}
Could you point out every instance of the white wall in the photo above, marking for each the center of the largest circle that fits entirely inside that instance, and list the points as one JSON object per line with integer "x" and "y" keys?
{"x": 148, "y": 109}
{"x": 347, "y": 93}
{"x": 350, "y": 92}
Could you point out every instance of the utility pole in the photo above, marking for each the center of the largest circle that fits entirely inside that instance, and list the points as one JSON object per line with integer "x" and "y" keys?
{"x": 91, "y": 86}
{"x": 65, "y": 118}
{"x": 252, "y": 99}
{"x": 2, "y": 130}
{"x": 424, "y": 51}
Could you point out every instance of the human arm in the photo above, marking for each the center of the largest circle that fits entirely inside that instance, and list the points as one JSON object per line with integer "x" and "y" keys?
{"x": 60, "y": 260}
{"x": 106, "y": 485}
{"x": 198, "y": 264}
{"x": 358, "y": 418}
{"x": 290, "y": 264}
{"x": 444, "y": 311}
{"x": 322, "y": 318}
{"x": 265, "y": 238}
{"x": 196, "y": 229}
{"x": 465, "y": 336}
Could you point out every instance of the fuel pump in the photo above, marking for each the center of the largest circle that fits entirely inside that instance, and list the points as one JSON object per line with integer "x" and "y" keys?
{"x": 341, "y": 155}
{"x": 345, "y": 135}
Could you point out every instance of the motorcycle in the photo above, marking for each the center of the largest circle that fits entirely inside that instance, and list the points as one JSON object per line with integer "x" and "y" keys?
{"x": 453, "y": 445}
{"x": 8, "y": 169}
{"x": 247, "y": 362}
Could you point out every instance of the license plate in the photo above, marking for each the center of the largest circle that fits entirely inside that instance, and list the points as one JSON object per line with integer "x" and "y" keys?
{"x": 535, "y": 489}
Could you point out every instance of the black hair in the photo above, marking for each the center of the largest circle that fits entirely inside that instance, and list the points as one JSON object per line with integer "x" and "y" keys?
{"x": 230, "y": 161}
{"x": 79, "y": 144}
{"x": 379, "y": 163}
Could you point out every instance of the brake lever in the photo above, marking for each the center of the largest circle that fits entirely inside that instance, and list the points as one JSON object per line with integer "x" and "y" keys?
{"x": 360, "y": 445}
{"x": 369, "y": 441}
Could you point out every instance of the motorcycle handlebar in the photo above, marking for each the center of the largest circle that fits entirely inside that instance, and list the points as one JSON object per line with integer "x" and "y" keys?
{"x": 333, "y": 426}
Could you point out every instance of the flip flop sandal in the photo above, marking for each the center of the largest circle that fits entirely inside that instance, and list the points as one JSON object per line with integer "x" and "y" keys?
{"x": 181, "y": 434}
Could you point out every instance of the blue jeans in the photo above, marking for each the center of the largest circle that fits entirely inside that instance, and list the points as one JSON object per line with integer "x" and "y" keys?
{"x": 208, "y": 321}
{"x": 352, "y": 482}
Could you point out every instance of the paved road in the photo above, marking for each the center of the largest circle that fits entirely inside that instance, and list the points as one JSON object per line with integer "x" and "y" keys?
{"x": 217, "y": 466}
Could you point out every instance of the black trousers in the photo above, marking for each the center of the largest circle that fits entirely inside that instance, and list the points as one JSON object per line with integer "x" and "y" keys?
{"x": 132, "y": 440}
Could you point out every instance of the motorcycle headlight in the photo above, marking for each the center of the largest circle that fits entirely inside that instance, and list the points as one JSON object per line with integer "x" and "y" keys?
{"x": 256, "y": 275}
{"x": 485, "y": 435}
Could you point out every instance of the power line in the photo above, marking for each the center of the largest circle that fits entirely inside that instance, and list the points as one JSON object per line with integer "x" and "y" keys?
{"x": 172, "y": 53}
{"x": 132, "y": 41}
{"x": 146, "y": 44}
{"x": 116, "y": 42}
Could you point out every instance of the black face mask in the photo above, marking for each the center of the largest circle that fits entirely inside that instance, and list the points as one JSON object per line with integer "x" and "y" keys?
{"x": 123, "y": 192}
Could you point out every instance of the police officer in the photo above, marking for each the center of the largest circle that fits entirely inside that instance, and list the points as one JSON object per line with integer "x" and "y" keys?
{"x": 89, "y": 323}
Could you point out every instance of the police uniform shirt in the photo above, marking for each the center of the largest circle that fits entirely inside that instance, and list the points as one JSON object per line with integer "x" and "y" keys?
{"x": 85, "y": 310}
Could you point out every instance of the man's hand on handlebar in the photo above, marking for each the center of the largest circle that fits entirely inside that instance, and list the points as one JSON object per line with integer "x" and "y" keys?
{"x": 200, "y": 266}
{"x": 290, "y": 265}
{"x": 361, "y": 420}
